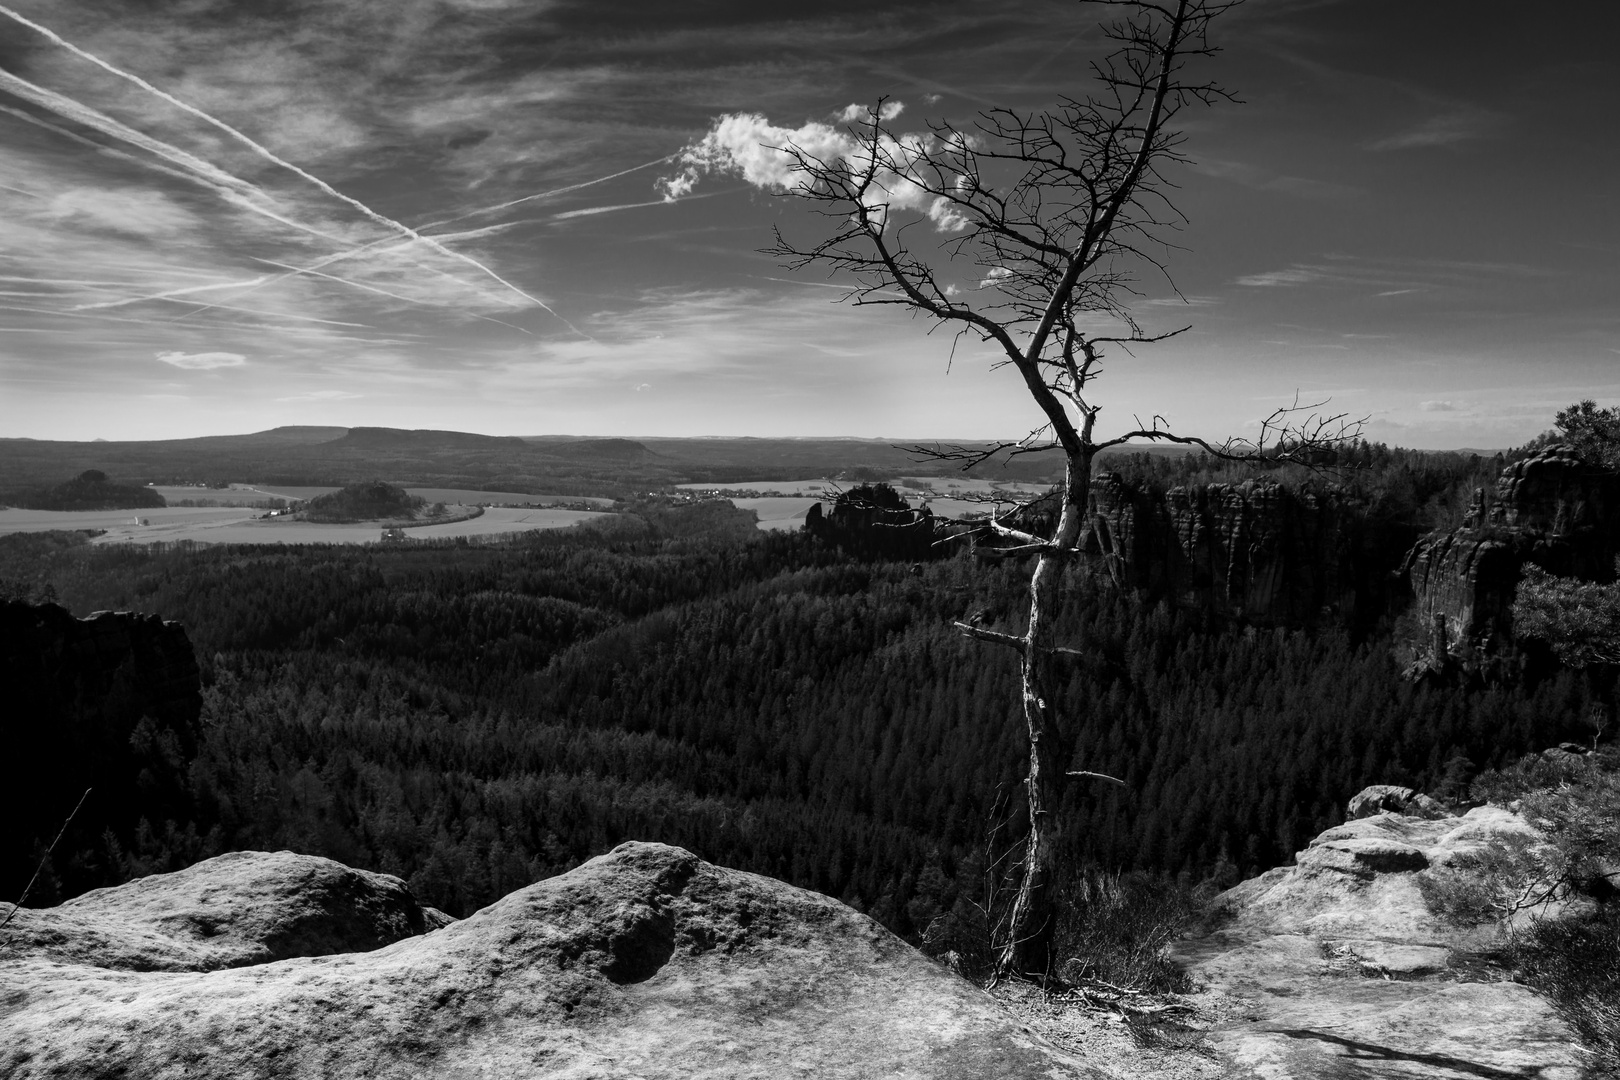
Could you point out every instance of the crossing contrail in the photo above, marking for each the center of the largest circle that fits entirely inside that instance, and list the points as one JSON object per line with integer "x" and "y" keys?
{"x": 546, "y": 194}
{"x": 232, "y": 189}
{"x": 270, "y": 156}
{"x": 394, "y": 244}
{"x": 372, "y": 288}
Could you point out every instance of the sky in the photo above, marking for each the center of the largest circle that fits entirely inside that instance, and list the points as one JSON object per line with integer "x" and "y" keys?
{"x": 220, "y": 216}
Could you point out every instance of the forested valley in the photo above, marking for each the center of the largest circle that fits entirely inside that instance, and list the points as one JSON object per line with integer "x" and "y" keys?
{"x": 472, "y": 717}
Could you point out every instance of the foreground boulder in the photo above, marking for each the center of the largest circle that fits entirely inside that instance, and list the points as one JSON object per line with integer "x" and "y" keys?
{"x": 645, "y": 962}
{"x": 235, "y": 910}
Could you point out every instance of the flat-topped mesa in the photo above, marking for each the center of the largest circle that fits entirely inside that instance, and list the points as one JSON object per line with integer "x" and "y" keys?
{"x": 1256, "y": 550}
{"x": 1552, "y": 509}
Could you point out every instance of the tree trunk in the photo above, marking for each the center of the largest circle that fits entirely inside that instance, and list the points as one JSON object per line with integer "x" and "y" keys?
{"x": 1030, "y": 922}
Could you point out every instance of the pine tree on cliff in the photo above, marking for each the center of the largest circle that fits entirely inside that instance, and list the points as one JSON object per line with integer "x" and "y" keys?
{"x": 1038, "y": 219}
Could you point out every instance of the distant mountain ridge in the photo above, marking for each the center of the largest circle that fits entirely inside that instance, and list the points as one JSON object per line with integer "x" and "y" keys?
{"x": 554, "y": 465}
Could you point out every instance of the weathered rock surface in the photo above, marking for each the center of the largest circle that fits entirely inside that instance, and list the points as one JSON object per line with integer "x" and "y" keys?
{"x": 646, "y": 962}
{"x": 1335, "y": 967}
{"x": 1551, "y": 509}
{"x": 234, "y": 910}
{"x": 1390, "y": 798}
{"x": 1254, "y": 550}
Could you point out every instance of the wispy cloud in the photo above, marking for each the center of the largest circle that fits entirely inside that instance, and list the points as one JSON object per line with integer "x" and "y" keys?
{"x": 322, "y": 395}
{"x": 1260, "y": 179}
{"x": 1449, "y": 128}
{"x": 202, "y": 361}
{"x": 1271, "y": 278}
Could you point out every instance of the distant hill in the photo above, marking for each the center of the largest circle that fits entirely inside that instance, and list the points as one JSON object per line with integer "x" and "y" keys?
{"x": 422, "y": 439}
{"x": 90, "y": 490}
{"x": 594, "y": 449}
{"x": 370, "y": 500}
{"x": 550, "y": 465}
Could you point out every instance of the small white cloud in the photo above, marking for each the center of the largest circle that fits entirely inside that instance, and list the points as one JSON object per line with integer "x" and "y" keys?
{"x": 1293, "y": 276}
{"x": 643, "y": 386}
{"x": 1437, "y": 406}
{"x": 763, "y": 155}
{"x": 202, "y": 361}
{"x": 997, "y": 274}
{"x": 321, "y": 395}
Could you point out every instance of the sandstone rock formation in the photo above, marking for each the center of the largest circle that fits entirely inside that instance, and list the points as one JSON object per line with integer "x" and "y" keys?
{"x": 234, "y": 910}
{"x": 111, "y": 703}
{"x": 1551, "y": 509}
{"x": 1382, "y": 798}
{"x": 646, "y": 962}
{"x": 1254, "y": 550}
{"x": 1336, "y": 967}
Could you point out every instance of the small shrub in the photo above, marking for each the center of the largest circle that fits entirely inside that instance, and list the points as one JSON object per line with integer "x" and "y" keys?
{"x": 1575, "y": 962}
{"x": 1113, "y": 928}
{"x": 1512, "y": 873}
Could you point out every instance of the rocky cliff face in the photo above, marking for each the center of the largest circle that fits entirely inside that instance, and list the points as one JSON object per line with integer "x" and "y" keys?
{"x": 1255, "y": 550}
{"x": 110, "y": 703}
{"x": 644, "y": 963}
{"x": 1550, "y": 509}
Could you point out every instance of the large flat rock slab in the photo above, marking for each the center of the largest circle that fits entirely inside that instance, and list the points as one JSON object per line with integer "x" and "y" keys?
{"x": 1336, "y": 968}
{"x": 644, "y": 963}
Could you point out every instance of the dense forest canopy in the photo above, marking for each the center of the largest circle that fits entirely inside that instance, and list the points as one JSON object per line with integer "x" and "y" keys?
{"x": 475, "y": 716}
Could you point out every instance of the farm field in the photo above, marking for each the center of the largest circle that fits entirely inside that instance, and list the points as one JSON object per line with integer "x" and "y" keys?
{"x": 780, "y": 487}
{"x": 238, "y": 525}
{"x": 252, "y": 493}
{"x": 777, "y": 514}
{"x": 236, "y": 493}
{"x": 469, "y": 497}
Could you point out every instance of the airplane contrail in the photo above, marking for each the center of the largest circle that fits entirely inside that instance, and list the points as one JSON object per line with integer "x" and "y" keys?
{"x": 168, "y": 294}
{"x": 268, "y": 155}
{"x": 373, "y": 288}
{"x": 489, "y": 230}
{"x": 228, "y": 187}
{"x": 272, "y": 314}
{"x": 166, "y": 322}
{"x": 232, "y": 189}
{"x": 547, "y": 194}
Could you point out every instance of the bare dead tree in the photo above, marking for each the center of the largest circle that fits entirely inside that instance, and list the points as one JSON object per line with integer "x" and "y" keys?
{"x": 1054, "y": 211}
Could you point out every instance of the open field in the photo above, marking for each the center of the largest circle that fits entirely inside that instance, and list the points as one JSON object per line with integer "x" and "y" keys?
{"x": 261, "y": 493}
{"x": 236, "y": 493}
{"x": 778, "y": 487}
{"x": 776, "y": 514}
{"x": 470, "y": 497}
{"x": 238, "y": 525}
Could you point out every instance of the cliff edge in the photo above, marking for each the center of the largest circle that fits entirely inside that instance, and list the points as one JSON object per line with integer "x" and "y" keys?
{"x": 1337, "y": 967}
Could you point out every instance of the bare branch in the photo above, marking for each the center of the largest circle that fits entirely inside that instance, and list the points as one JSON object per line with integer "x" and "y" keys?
{"x": 1097, "y": 776}
{"x": 993, "y": 636}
